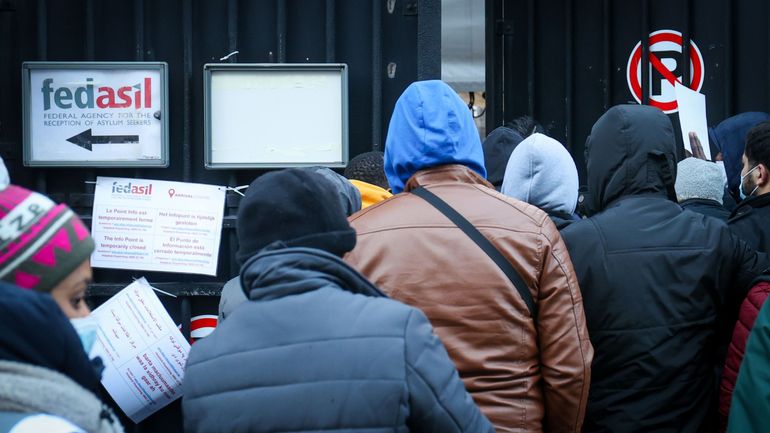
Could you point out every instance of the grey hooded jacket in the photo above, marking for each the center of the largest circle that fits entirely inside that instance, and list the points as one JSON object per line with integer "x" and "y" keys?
{"x": 26, "y": 388}
{"x": 542, "y": 173}
{"x": 318, "y": 348}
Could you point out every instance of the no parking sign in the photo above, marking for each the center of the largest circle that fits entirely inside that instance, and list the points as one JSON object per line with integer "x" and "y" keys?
{"x": 665, "y": 69}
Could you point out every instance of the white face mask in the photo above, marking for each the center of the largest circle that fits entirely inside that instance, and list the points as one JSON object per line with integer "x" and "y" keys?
{"x": 740, "y": 187}
{"x": 86, "y": 328}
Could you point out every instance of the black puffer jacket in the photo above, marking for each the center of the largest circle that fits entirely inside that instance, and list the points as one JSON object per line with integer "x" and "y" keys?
{"x": 654, "y": 280}
{"x": 751, "y": 222}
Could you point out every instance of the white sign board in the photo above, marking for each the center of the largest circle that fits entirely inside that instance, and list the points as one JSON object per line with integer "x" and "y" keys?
{"x": 275, "y": 115}
{"x": 95, "y": 114}
{"x": 143, "y": 351}
{"x": 157, "y": 225}
{"x": 692, "y": 117}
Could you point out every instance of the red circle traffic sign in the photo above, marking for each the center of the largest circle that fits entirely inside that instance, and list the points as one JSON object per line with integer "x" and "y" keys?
{"x": 657, "y": 40}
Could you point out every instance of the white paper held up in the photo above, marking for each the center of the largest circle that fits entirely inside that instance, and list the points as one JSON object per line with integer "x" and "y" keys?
{"x": 692, "y": 117}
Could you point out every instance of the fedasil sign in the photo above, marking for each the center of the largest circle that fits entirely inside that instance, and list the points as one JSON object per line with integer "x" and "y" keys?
{"x": 95, "y": 114}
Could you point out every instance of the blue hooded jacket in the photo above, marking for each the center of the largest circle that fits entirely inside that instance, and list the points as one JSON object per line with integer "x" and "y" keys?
{"x": 729, "y": 136}
{"x": 431, "y": 126}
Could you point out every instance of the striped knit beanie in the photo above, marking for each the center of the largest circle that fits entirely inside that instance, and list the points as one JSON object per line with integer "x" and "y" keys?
{"x": 41, "y": 243}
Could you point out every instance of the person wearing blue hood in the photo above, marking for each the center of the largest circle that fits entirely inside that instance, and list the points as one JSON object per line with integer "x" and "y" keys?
{"x": 490, "y": 272}
{"x": 729, "y": 137}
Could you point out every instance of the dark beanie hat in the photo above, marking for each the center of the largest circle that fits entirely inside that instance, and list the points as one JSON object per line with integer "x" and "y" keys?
{"x": 298, "y": 207}
{"x": 498, "y": 148}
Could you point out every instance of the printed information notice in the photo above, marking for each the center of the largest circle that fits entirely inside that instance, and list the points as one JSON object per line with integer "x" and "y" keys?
{"x": 157, "y": 225}
{"x": 143, "y": 351}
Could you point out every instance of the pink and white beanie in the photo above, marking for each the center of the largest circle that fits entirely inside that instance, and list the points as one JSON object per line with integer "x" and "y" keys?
{"x": 41, "y": 243}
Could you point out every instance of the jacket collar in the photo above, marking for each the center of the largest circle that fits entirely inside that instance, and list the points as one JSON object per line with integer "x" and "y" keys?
{"x": 750, "y": 203}
{"x": 700, "y": 201}
{"x": 277, "y": 273}
{"x": 452, "y": 173}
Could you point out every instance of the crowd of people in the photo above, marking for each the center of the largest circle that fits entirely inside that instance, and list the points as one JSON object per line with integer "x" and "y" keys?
{"x": 448, "y": 286}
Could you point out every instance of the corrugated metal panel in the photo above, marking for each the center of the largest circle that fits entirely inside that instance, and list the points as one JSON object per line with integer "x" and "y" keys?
{"x": 564, "y": 62}
{"x": 367, "y": 35}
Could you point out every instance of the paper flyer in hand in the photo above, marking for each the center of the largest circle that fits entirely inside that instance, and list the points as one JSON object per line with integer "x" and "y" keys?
{"x": 692, "y": 117}
{"x": 143, "y": 351}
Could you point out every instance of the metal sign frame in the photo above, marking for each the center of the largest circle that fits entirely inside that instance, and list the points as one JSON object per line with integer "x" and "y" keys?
{"x": 162, "y": 67}
{"x": 210, "y": 68}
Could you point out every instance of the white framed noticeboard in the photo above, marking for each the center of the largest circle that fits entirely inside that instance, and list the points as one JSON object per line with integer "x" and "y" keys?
{"x": 98, "y": 114}
{"x": 275, "y": 115}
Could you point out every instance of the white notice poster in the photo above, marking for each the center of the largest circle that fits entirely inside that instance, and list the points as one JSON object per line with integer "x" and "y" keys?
{"x": 143, "y": 351}
{"x": 157, "y": 225}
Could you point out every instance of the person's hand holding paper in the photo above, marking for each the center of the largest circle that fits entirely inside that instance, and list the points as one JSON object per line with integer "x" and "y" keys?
{"x": 692, "y": 118}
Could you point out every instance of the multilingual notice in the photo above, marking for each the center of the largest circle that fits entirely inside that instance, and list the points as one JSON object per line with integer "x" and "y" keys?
{"x": 143, "y": 351}
{"x": 157, "y": 225}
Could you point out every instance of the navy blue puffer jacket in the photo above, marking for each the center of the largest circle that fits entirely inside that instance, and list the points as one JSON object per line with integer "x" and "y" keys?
{"x": 318, "y": 347}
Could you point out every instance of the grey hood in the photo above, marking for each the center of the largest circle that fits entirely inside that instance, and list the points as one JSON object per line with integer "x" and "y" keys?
{"x": 542, "y": 173}
{"x": 349, "y": 195}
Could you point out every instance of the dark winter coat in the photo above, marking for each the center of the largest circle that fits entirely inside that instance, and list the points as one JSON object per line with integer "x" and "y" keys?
{"x": 751, "y": 222}
{"x": 654, "y": 280}
{"x": 318, "y": 348}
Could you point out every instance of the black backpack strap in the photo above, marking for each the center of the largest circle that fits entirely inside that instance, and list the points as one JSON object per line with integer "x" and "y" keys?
{"x": 488, "y": 247}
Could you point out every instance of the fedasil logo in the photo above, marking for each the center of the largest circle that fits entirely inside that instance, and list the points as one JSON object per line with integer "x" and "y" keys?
{"x": 132, "y": 189}
{"x": 139, "y": 95}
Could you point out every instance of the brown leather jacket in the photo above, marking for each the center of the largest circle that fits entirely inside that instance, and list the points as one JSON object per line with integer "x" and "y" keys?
{"x": 525, "y": 376}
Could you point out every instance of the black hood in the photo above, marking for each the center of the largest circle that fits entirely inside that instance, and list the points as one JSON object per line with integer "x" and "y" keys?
{"x": 631, "y": 151}
{"x": 497, "y": 151}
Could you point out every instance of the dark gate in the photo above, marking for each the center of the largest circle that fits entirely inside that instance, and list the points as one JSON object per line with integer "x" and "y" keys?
{"x": 387, "y": 44}
{"x": 564, "y": 61}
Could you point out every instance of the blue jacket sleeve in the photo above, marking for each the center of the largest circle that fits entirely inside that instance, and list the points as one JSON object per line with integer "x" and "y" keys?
{"x": 438, "y": 401}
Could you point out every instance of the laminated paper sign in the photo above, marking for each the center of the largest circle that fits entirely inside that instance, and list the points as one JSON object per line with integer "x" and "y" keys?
{"x": 95, "y": 114}
{"x": 157, "y": 225}
{"x": 143, "y": 351}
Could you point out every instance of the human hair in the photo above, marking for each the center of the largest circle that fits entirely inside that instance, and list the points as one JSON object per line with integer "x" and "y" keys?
{"x": 757, "y": 148}
{"x": 368, "y": 167}
{"x": 526, "y": 126}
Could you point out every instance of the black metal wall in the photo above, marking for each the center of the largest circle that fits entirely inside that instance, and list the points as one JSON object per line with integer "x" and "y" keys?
{"x": 564, "y": 61}
{"x": 367, "y": 35}
{"x": 386, "y": 43}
